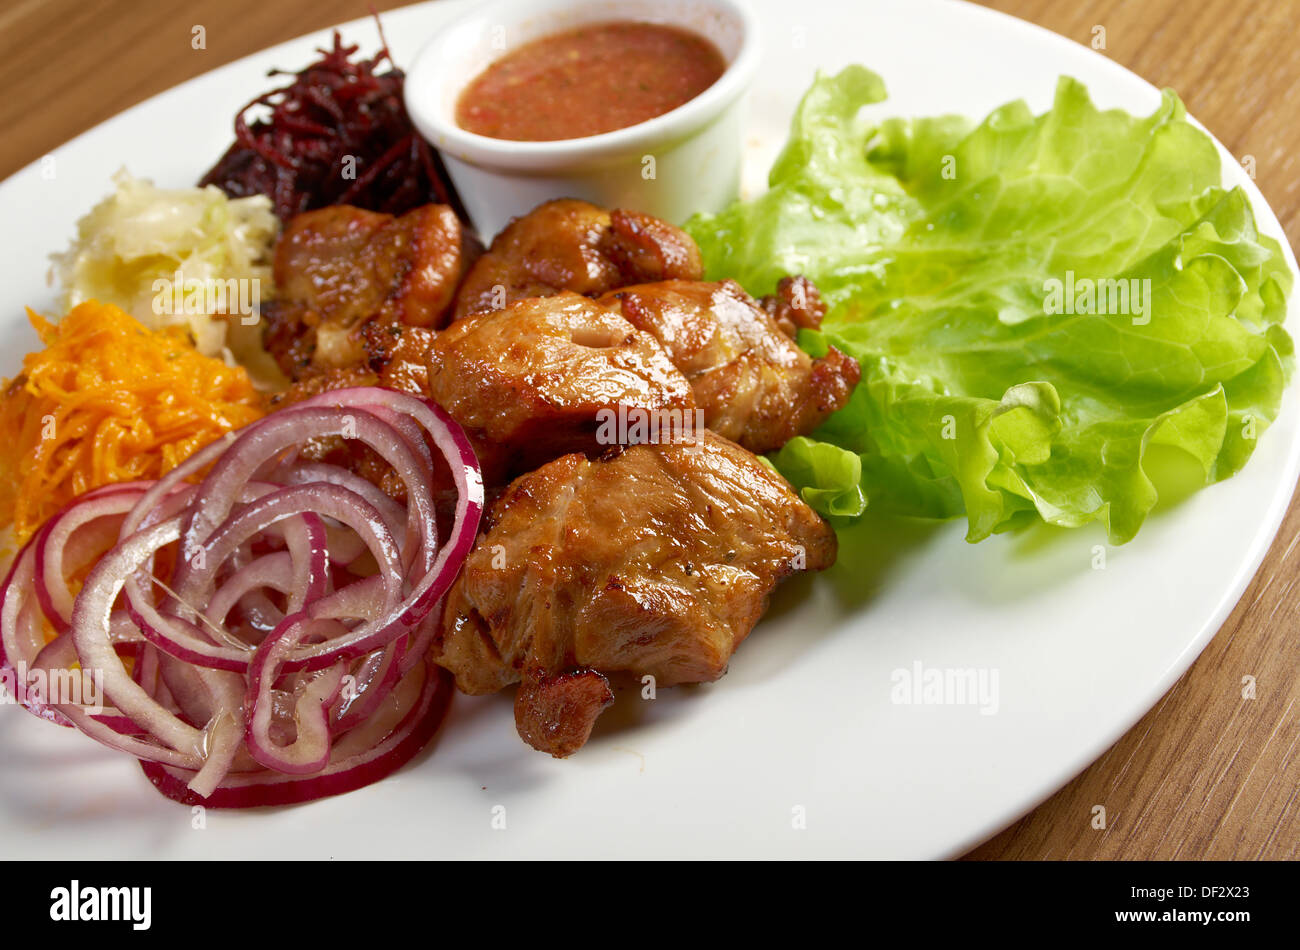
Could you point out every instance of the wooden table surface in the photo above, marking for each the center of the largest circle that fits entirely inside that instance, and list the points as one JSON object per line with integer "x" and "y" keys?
{"x": 1207, "y": 773}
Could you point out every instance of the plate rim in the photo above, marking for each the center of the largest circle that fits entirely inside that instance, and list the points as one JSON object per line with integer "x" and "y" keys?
{"x": 1265, "y": 532}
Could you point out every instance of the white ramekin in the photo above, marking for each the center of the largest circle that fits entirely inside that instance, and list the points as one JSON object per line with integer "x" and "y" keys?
{"x": 672, "y": 166}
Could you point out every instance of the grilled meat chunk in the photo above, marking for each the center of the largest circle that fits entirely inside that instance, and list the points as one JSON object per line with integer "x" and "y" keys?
{"x": 573, "y": 245}
{"x": 535, "y": 377}
{"x": 796, "y": 305}
{"x": 753, "y": 383}
{"x": 656, "y": 559}
{"x": 340, "y": 268}
{"x": 398, "y": 355}
{"x": 394, "y": 356}
{"x": 557, "y": 714}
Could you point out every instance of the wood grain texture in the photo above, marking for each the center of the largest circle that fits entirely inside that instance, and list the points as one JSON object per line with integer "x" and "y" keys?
{"x": 1207, "y": 773}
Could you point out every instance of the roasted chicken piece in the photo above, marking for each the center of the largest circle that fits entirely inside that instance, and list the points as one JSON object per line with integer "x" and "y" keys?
{"x": 753, "y": 383}
{"x": 540, "y": 378}
{"x": 651, "y": 560}
{"x": 339, "y": 268}
{"x": 573, "y": 245}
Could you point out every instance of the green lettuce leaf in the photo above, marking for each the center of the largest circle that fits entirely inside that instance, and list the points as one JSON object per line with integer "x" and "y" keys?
{"x": 1044, "y": 307}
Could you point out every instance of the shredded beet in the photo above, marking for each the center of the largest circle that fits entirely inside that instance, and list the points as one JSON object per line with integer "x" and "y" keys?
{"x": 337, "y": 134}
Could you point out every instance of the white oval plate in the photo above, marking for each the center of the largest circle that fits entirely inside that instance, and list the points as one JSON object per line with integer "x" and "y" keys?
{"x": 802, "y": 731}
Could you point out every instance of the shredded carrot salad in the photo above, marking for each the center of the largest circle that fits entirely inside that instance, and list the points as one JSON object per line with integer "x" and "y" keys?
{"x": 108, "y": 401}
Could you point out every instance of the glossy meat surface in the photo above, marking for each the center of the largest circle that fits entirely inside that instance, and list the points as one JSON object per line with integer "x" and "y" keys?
{"x": 657, "y": 559}
{"x": 753, "y": 382}
{"x": 340, "y": 268}
{"x": 533, "y": 378}
{"x": 574, "y": 245}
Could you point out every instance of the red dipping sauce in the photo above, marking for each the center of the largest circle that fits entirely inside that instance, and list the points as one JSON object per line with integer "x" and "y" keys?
{"x": 593, "y": 79}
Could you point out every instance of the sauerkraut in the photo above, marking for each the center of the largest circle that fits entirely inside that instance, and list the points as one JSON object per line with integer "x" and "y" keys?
{"x": 188, "y": 257}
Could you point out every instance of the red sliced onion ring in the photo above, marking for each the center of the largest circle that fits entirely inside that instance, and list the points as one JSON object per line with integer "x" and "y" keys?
{"x": 273, "y": 571}
{"x": 22, "y": 638}
{"x": 260, "y": 443}
{"x": 305, "y": 503}
{"x": 323, "y": 687}
{"x": 309, "y": 752}
{"x": 72, "y": 539}
{"x": 363, "y": 763}
{"x": 91, "y": 619}
{"x": 393, "y": 514}
{"x": 374, "y": 679}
